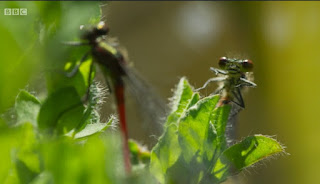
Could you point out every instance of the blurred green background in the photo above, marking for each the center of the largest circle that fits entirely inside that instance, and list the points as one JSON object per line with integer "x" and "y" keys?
{"x": 168, "y": 40}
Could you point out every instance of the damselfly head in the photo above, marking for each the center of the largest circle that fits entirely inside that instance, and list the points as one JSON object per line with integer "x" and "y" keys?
{"x": 235, "y": 65}
{"x": 91, "y": 34}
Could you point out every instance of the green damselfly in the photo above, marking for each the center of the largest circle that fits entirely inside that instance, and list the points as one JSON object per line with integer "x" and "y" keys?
{"x": 233, "y": 75}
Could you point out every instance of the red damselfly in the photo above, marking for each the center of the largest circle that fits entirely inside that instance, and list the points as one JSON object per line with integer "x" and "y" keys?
{"x": 119, "y": 75}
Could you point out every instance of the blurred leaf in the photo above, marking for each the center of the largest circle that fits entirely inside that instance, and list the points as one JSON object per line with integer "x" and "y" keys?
{"x": 58, "y": 79}
{"x": 25, "y": 156}
{"x": 27, "y": 148}
{"x": 60, "y": 55}
{"x": 9, "y": 140}
{"x": 16, "y": 64}
{"x": 69, "y": 118}
{"x": 27, "y": 107}
{"x": 33, "y": 42}
{"x": 43, "y": 178}
{"x": 56, "y": 105}
{"x": 94, "y": 128}
{"x": 139, "y": 154}
{"x": 97, "y": 160}
{"x": 25, "y": 174}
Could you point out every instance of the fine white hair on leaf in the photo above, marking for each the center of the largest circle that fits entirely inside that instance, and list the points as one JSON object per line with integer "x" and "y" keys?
{"x": 177, "y": 93}
{"x": 176, "y": 96}
{"x": 114, "y": 122}
{"x": 97, "y": 94}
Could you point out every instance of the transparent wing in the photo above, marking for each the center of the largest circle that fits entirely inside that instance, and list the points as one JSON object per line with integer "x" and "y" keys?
{"x": 153, "y": 108}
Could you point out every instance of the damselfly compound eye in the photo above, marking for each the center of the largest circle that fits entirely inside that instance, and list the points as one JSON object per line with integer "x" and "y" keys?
{"x": 223, "y": 62}
{"x": 247, "y": 65}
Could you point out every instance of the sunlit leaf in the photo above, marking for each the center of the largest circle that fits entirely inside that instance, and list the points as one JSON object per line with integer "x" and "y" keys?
{"x": 249, "y": 151}
{"x": 194, "y": 127}
{"x": 180, "y": 100}
{"x": 167, "y": 150}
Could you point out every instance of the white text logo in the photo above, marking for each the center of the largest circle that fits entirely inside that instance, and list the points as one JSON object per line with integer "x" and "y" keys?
{"x": 15, "y": 11}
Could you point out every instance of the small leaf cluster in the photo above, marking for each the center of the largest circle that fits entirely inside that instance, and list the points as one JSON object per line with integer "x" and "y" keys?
{"x": 193, "y": 148}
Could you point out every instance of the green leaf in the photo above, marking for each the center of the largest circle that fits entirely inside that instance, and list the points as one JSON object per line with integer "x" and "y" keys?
{"x": 10, "y": 139}
{"x": 26, "y": 157}
{"x": 27, "y": 107}
{"x": 70, "y": 119}
{"x": 24, "y": 173}
{"x": 251, "y": 150}
{"x": 43, "y": 178}
{"x": 245, "y": 153}
{"x": 194, "y": 99}
{"x": 215, "y": 144}
{"x": 194, "y": 127}
{"x": 165, "y": 153}
{"x": 180, "y": 100}
{"x": 197, "y": 141}
{"x": 56, "y": 105}
{"x": 167, "y": 150}
{"x": 94, "y": 128}
{"x": 96, "y": 160}
{"x": 58, "y": 79}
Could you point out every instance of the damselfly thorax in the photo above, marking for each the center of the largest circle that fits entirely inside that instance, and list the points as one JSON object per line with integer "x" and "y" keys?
{"x": 106, "y": 54}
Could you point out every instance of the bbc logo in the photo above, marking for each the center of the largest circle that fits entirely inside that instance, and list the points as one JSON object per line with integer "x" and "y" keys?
{"x": 15, "y": 11}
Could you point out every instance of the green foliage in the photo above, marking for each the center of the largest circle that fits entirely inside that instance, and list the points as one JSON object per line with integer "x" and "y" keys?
{"x": 40, "y": 157}
{"x": 193, "y": 147}
{"x": 60, "y": 139}
{"x": 65, "y": 100}
{"x": 33, "y": 43}
{"x": 27, "y": 108}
